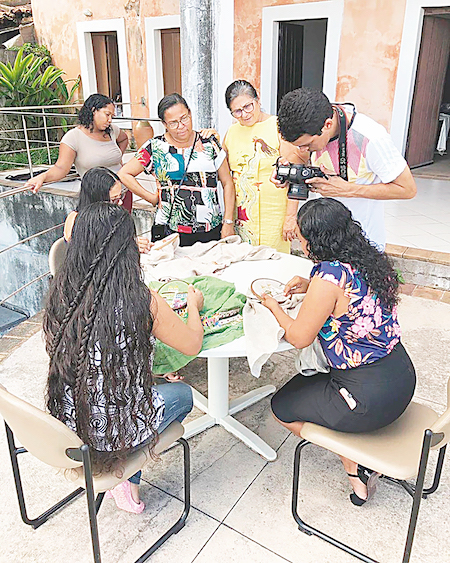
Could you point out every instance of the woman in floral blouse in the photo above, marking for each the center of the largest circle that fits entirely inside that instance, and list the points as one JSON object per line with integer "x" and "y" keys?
{"x": 351, "y": 306}
{"x": 187, "y": 167}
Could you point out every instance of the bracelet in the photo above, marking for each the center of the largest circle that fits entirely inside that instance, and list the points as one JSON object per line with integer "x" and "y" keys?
{"x": 228, "y": 222}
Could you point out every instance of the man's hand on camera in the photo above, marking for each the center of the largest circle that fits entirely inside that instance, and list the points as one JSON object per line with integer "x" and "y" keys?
{"x": 273, "y": 177}
{"x": 333, "y": 186}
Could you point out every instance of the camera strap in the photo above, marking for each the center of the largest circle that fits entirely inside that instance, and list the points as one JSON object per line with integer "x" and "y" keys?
{"x": 176, "y": 192}
{"x": 342, "y": 141}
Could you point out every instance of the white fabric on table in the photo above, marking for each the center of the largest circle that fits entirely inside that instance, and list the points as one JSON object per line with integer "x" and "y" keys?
{"x": 200, "y": 259}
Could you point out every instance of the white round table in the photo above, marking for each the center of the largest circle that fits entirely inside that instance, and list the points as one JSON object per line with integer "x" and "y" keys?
{"x": 218, "y": 408}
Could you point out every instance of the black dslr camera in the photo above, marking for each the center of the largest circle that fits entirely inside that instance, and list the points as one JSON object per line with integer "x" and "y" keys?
{"x": 295, "y": 175}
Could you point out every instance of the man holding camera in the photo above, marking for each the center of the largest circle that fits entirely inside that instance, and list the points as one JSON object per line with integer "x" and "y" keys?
{"x": 361, "y": 164}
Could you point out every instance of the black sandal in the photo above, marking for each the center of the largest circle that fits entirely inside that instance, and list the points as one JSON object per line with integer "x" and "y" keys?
{"x": 369, "y": 478}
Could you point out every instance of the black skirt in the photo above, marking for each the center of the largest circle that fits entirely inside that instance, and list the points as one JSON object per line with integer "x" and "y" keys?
{"x": 361, "y": 399}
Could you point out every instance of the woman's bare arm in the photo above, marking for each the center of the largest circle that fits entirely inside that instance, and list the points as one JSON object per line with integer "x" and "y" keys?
{"x": 229, "y": 196}
{"x": 122, "y": 141}
{"x": 170, "y": 329}
{"x": 319, "y": 303}
{"x": 127, "y": 175}
{"x": 58, "y": 171}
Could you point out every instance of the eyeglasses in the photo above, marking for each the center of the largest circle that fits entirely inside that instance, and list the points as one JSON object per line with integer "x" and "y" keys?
{"x": 119, "y": 199}
{"x": 248, "y": 108}
{"x": 184, "y": 120}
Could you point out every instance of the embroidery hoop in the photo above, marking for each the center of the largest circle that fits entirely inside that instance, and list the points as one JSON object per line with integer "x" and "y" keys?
{"x": 271, "y": 287}
{"x": 173, "y": 238}
{"x": 175, "y": 292}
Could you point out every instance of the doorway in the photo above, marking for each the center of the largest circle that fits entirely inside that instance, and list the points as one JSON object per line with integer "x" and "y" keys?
{"x": 301, "y": 55}
{"x": 102, "y": 48}
{"x": 171, "y": 60}
{"x": 432, "y": 87}
{"x": 106, "y": 60}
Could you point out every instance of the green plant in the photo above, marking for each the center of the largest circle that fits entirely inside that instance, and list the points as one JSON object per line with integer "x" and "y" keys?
{"x": 25, "y": 84}
{"x": 18, "y": 160}
{"x": 38, "y": 50}
{"x": 400, "y": 277}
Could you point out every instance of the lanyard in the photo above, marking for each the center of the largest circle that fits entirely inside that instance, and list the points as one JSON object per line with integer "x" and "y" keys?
{"x": 343, "y": 128}
{"x": 182, "y": 180}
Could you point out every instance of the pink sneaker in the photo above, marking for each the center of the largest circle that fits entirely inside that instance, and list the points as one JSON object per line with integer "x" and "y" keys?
{"x": 123, "y": 498}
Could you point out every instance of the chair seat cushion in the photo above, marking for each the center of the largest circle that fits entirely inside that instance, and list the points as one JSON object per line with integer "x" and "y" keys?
{"x": 393, "y": 450}
{"x": 133, "y": 463}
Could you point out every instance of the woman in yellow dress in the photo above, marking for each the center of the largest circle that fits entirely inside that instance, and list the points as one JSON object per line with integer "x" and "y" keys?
{"x": 252, "y": 145}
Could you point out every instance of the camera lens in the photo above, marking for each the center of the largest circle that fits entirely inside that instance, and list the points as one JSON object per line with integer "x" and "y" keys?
{"x": 298, "y": 191}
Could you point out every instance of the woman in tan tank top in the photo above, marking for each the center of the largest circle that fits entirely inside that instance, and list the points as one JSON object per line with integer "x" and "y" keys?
{"x": 94, "y": 142}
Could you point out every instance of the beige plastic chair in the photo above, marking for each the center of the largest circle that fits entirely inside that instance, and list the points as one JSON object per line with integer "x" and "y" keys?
{"x": 55, "y": 444}
{"x": 57, "y": 255}
{"x": 399, "y": 452}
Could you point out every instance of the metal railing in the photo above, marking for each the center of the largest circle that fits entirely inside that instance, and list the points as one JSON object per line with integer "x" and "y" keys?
{"x": 37, "y": 128}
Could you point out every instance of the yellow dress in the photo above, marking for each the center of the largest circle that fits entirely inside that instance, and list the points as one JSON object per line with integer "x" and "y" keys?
{"x": 261, "y": 207}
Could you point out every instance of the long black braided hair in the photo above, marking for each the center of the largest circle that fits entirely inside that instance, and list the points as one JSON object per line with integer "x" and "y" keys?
{"x": 99, "y": 307}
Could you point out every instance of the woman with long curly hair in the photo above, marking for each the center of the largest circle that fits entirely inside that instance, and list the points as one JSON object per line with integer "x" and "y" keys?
{"x": 100, "y": 326}
{"x": 351, "y": 306}
{"x": 96, "y": 141}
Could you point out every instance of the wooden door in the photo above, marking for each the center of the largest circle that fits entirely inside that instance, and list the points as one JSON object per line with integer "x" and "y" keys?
{"x": 171, "y": 60}
{"x": 290, "y": 58}
{"x": 430, "y": 79}
{"x": 101, "y": 63}
{"x": 106, "y": 61}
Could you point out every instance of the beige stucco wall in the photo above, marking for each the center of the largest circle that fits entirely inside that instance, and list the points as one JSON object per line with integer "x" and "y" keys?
{"x": 368, "y": 58}
{"x": 55, "y": 24}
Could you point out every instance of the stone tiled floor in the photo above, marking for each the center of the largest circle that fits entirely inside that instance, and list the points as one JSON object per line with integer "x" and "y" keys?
{"x": 240, "y": 502}
{"x": 422, "y": 222}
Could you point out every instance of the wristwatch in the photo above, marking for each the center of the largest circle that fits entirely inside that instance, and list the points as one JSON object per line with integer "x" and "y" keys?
{"x": 228, "y": 222}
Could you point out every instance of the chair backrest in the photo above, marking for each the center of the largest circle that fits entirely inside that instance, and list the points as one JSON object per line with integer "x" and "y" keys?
{"x": 57, "y": 255}
{"x": 40, "y": 433}
{"x": 442, "y": 424}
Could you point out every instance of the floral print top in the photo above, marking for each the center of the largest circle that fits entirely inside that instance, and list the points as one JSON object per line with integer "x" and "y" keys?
{"x": 196, "y": 204}
{"x": 366, "y": 332}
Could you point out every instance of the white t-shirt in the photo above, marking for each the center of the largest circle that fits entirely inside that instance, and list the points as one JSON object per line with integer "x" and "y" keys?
{"x": 372, "y": 159}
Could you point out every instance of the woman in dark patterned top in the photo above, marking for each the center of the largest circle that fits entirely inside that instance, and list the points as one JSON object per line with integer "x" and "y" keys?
{"x": 351, "y": 306}
{"x": 187, "y": 168}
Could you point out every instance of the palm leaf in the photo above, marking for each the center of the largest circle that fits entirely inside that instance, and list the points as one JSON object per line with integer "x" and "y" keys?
{"x": 6, "y": 70}
{"x": 33, "y": 69}
{"x": 74, "y": 88}
{"x": 6, "y": 84}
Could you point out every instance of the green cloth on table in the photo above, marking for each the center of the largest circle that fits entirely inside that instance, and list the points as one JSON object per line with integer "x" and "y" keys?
{"x": 219, "y": 296}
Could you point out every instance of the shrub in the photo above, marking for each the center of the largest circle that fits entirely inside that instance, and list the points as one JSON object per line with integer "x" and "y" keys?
{"x": 24, "y": 83}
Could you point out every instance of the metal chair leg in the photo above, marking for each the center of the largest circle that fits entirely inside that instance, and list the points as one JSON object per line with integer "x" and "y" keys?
{"x": 179, "y": 524}
{"x": 92, "y": 507}
{"x": 98, "y": 501}
{"x": 309, "y": 529}
{"x": 417, "y": 495}
{"x": 93, "y": 502}
{"x": 33, "y": 522}
{"x": 410, "y": 489}
{"x": 437, "y": 474}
